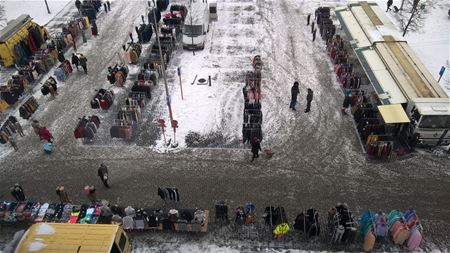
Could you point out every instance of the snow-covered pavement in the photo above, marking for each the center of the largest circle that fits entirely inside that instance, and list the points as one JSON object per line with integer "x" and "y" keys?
{"x": 317, "y": 161}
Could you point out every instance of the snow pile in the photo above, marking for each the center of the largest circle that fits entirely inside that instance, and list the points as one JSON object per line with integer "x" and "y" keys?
{"x": 36, "y": 9}
{"x": 45, "y": 229}
{"x": 36, "y": 245}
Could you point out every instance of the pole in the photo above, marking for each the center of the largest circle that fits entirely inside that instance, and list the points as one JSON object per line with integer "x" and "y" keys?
{"x": 163, "y": 66}
{"x": 401, "y": 6}
{"x": 409, "y": 21}
{"x": 164, "y": 134}
{"x": 181, "y": 85}
{"x": 46, "y": 4}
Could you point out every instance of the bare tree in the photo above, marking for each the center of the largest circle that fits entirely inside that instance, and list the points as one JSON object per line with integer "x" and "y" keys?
{"x": 3, "y": 19}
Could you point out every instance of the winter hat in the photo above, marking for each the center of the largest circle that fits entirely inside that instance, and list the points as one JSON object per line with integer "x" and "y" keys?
{"x": 296, "y": 83}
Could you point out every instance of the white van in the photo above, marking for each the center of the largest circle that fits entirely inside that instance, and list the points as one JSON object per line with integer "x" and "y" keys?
{"x": 212, "y": 10}
{"x": 196, "y": 25}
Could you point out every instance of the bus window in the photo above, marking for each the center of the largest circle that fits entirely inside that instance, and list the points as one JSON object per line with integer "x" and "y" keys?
{"x": 435, "y": 121}
{"x": 123, "y": 241}
{"x": 115, "y": 249}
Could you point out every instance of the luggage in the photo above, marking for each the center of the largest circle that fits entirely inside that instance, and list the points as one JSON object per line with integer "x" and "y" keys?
{"x": 369, "y": 242}
{"x": 415, "y": 239}
{"x": 48, "y": 148}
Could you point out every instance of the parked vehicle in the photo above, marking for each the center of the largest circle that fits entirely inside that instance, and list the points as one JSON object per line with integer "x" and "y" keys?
{"x": 65, "y": 237}
{"x": 196, "y": 25}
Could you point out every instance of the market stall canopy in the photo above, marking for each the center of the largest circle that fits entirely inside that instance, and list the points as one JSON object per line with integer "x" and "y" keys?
{"x": 393, "y": 114}
{"x": 393, "y": 68}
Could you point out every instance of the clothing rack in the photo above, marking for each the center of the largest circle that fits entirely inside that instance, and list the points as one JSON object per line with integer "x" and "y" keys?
{"x": 7, "y": 128}
{"x": 28, "y": 108}
{"x": 130, "y": 113}
{"x": 123, "y": 129}
{"x": 87, "y": 127}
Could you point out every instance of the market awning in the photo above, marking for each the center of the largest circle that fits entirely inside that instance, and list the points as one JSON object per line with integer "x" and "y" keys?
{"x": 393, "y": 114}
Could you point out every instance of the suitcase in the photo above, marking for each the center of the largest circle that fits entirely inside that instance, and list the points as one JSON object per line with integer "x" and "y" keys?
{"x": 104, "y": 104}
{"x": 369, "y": 242}
{"x": 48, "y": 148}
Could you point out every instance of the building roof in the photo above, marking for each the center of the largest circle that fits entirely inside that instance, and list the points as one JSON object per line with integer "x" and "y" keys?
{"x": 64, "y": 237}
{"x": 389, "y": 62}
{"x": 13, "y": 26}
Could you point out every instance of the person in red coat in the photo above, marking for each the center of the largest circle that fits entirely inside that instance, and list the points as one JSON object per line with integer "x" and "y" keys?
{"x": 44, "y": 134}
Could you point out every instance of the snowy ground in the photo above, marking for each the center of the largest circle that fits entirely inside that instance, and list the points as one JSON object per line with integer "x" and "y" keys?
{"x": 317, "y": 162}
{"x": 35, "y": 8}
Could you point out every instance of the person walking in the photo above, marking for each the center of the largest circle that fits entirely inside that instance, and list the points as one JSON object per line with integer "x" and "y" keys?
{"x": 62, "y": 194}
{"x": 78, "y": 5}
{"x": 314, "y": 34}
{"x": 312, "y": 26}
{"x": 45, "y": 134}
{"x": 109, "y": 5}
{"x": 294, "y": 93}
{"x": 308, "y": 18}
{"x": 256, "y": 147}
{"x": 94, "y": 28}
{"x": 309, "y": 98}
{"x": 19, "y": 129}
{"x": 389, "y": 4}
{"x": 17, "y": 125}
{"x": 17, "y": 192}
{"x": 90, "y": 193}
{"x": 83, "y": 62}
{"x": 75, "y": 60}
{"x": 36, "y": 126}
{"x": 103, "y": 174}
{"x": 105, "y": 7}
{"x": 61, "y": 57}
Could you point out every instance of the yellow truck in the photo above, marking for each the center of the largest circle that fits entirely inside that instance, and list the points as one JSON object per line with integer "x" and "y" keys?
{"x": 15, "y": 31}
{"x": 74, "y": 238}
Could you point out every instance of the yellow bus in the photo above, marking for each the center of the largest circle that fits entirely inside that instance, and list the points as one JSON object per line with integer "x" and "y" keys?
{"x": 74, "y": 238}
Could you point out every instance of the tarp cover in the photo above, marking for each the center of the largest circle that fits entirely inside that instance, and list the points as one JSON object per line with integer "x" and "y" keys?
{"x": 393, "y": 114}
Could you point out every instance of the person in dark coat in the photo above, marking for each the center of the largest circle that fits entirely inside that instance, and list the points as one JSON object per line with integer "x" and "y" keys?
{"x": 109, "y": 5}
{"x": 105, "y": 7}
{"x": 389, "y": 4}
{"x": 17, "y": 192}
{"x": 294, "y": 93}
{"x": 61, "y": 57}
{"x": 78, "y": 5}
{"x": 308, "y": 18}
{"x": 62, "y": 194}
{"x": 36, "y": 126}
{"x": 314, "y": 34}
{"x": 103, "y": 174}
{"x": 83, "y": 62}
{"x": 94, "y": 28}
{"x": 75, "y": 60}
{"x": 256, "y": 147}
{"x": 309, "y": 98}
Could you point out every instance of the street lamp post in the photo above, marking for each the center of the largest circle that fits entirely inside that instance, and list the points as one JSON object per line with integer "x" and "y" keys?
{"x": 46, "y": 4}
{"x": 163, "y": 65}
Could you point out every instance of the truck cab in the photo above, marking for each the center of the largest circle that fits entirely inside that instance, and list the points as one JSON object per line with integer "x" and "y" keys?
{"x": 431, "y": 120}
{"x": 196, "y": 25}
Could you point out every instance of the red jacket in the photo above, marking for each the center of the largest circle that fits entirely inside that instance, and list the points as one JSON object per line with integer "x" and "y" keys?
{"x": 44, "y": 134}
